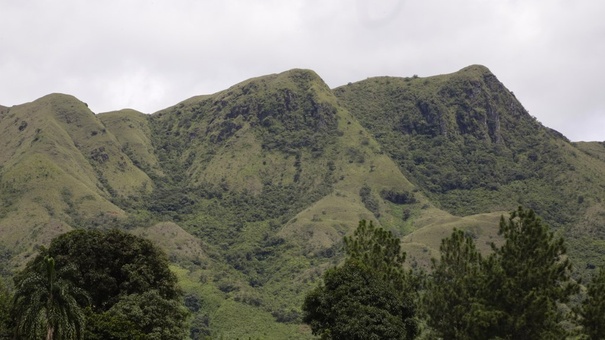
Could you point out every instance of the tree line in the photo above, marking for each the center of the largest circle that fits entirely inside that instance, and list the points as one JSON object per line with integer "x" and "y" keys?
{"x": 92, "y": 284}
{"x": 522, "y": 290}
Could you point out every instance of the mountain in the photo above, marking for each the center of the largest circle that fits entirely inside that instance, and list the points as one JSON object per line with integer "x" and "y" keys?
{"x": 472, "y": 147}
{"x": 251, "y": 190}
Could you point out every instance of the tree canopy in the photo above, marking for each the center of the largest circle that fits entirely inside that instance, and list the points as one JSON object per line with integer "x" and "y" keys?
{"x": 456, "y": 298}
{"x": 127, "y": 280}
{"x": 370, "y": 296}
{"x": 593, "y": 309}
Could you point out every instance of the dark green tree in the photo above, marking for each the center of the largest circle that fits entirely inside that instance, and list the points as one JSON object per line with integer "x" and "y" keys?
{"x": 112, "y": 263}
{"x": 530, "y": 278}
{"x": 455, "y": 299}
{"x": 45, "y": 304}
{"x": 117, "y": 268}
{"x": 515, "y": 293}
{"x": 593, "y": 308}
{"x": 140, "y": 316}
{"x": 370, "y": 296}
{"x": 5, "y": 303}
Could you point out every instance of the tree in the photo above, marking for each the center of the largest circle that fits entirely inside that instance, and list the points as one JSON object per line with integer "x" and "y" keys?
{"x": 5, "y": 300}
{"x": 46, "y": 302}
{"x": 116, "y": 268}
{"x": 530, "y": 278}
{"x": 111, "y": 264}
{"x": 370, "y": 296}
{"x": 515, "y": 293}
{"x": 455, "y": 300}
{"x": 593, "y": 308}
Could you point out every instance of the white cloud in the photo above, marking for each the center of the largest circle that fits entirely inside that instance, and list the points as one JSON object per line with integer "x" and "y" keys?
{"x": 152, "y": 54}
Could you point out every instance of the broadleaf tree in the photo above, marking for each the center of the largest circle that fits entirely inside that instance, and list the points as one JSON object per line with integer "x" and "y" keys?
{"x": 125, "y": 276}
{"x": 370, "y": 296}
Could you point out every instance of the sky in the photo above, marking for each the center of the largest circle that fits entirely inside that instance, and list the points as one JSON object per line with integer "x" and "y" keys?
{"x": 151, "y": 54}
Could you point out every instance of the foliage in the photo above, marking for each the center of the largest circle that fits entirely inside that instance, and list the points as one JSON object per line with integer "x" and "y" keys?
{"x": 455, "y": 300}
{"x": 145, "y": 316}
{"x": 593, "y": 308}
{"x": 398, "y": 197}
{"x": 369, "y": 296}
{"x": 531, "y": 277}
{"x": 126, "y": 276}
{"x": 369, "y": 201}
{"x": 46, "y": 302}
{"x": 105, "y": 326}
{"x": 515, "y": 293}
{"x": 468, "y": 143}
{"x": 266, "y": 176}
{"x": 378, "y": 249}
{"x": 5, "y": 305}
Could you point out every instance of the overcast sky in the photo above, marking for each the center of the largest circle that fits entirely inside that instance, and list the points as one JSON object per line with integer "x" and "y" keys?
{"x": 148, "y": 55}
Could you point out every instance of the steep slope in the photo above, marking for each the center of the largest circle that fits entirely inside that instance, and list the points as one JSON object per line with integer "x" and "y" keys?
{"x": 132, "y": 132}
{"x": 59, "y": 168}
{"x": 470, "y": 145}
{"x": 268, "y": 174}
{"x": 251, "y": 189}
{"x": 594, "y": 149}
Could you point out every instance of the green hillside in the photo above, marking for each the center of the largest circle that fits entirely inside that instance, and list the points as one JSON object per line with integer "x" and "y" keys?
{"x": 51, "y": 172}
{"x": 251, "y": 190}
{"x": 468, "y": 143}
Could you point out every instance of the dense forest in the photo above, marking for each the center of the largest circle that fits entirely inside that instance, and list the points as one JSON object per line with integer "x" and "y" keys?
{"x": 253, "y": 195}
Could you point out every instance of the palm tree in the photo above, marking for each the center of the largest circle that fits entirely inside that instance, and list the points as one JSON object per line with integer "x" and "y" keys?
{"x": 45, "y": 303}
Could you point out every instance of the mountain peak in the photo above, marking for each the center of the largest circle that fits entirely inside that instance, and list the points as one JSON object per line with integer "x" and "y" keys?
{"x": 475, "y": 68}
{"x": 59, "y": 98}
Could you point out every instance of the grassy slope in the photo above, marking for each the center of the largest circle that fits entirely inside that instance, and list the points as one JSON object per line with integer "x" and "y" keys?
{"x": 238, "y": 158}
{"x": 60, "y": 168}
{"x": 594, "y": 149}
{"x": 132, "y": 131}
{"x": 467, "y": 142}
{"x": 251, "y": 190}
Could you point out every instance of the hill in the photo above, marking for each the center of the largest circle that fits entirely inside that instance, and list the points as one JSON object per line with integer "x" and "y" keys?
{"x": 472, "y": 147}
{"x": 250, "y": 190}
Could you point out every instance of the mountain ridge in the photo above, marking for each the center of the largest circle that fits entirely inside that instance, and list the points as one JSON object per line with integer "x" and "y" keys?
{"x": 251, "y": 189}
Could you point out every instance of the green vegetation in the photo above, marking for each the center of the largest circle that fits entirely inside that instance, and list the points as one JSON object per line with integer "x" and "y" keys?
{"x": 515, "y": 293}
{"x": 522, "y": 290}
{"x": 46, "y": 303}
{"x": 5, "y": 306}
{"x": 108, "y": 285}
{"x": 456, "y": 302}
{"x": 369, "y": 296}
{"x": 251, "y": 190}
{"x": 593, "y": 308}
{"x": 467, "y": 142}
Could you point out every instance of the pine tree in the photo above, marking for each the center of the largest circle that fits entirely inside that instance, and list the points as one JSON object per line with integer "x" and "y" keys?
{"x": 515, "y": 293}
{"x": 530, "y": 278}
{"x": 593, "y": 308}
{"x": 455, "y": 299}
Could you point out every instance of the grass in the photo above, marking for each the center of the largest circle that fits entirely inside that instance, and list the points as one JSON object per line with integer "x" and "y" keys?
{"x": 251, "y": 190}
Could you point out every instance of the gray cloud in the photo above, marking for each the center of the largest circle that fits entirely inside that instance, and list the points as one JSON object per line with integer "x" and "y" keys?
{"x": 149, "y": 55}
